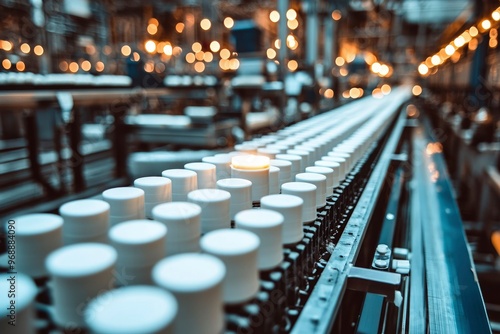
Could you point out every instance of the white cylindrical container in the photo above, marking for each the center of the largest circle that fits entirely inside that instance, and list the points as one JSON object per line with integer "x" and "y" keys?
{"x": 268, "y": 152}
{"x": 140, "y": 244}
{"x": 30, "y": 239}
{"x": 205, "y": 174}
{"x": 196, "y": 282}
{"x": 296, "y": 161}
{"x": 312, "y": 153}
{"x": 131, "y": 310}
{"x": 319, "y": 181}
{"x": 349, "y": 150}
{"x": 255, "y": 169}
{"x": 337, "y": 173}
{"x": 125, "y": 203}
{"x": 85, "y": 220}
{"x": 156, "y": 189}
{"x": 279, "y": 147}
{"x": 21, "y": 290}
{"x": 307, "y": 192}
{"x": 343, "y": 169}
{"x": 328, "y": 173}
{"x": 79, "y": 273}
{"x": 246, "y": 148}
{"x": 285, "y": 170}
{"x": 215, "y": 205}
{"x": 183, "y": 181}
{"x": 305, "y": 155}
{"x": 222, "y": 165}
{"x": 238, "y": 250}
{"x": 268, "y": 225}
{"x": 346, "y": 156}
{"x": 274, "y": 180}
{"x": 182, "y": 220}
{"x": 291, "y": 208}
{"x": 241, "y": 194}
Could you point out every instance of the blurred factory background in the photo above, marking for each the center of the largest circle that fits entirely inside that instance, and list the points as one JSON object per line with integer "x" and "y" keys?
{"x": 96, "y": 93}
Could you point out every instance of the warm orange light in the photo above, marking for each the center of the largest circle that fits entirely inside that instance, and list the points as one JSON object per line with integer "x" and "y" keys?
{"x": 168, "y": 50}
{"x": 336, "y": 15}
{"x": 199, "y": 67}
{"x": 224, "y": 64}
{"x": 215, "y": 46}
{"x": 126, "y": 50}
{"x": 152, "y": 29}
{"x": 377, "y": 93}
{"x": 190, "y": 57}
{"x": 196, "y": 47}
{"x": 228, "y": 22}
{"x": 329, "y": 93}
{"x": 495, "y": 241}
{"x": 225, "y": 54}
{"x": 384, "y": 70}
{"x": 386, "y": 89}
{"x": 473, "y": 44}
{"x": 250, "y": 162}
{"x": 177, "y": 50}
{"x": 277, "y": 44}
{"x": 435, "y": 60}
{"x": 343, "y": 72}
{"x": 291, "y": 14}
{"x": 274, "y": 16}
{"x": 292, "y": 24}
{"x": 495, "y": 15}
{"x": 149, "y": 67}
{"x": 20, "y": 66}
{"x": 25, "y": 48}
{"x": 6, "y": 45}
{"x": 38, "y": 50}
{"x": 234, "y": 64}
{"x": 354, "y": 93}
{"x": 208, "y": 57}
{"x": 449, "y": 49}
{"x": 179, "y": 27}
{"x": 205, "y": 24}
{"x": 99, "y": 66}
{"x": 6, "y": 64}
{"x": 86, "y": 65}
{"x": 270, "y": 53}
{"x": 136, "y": 56}
{"x": 459, "y": 41}
{"x": 199, "y": 55}
{"x": 150, "y": 46}
{"x": 153, "y": 21}
{"x": 339, "y": 61}
{"x": 63, "y": 66}
{"x": 73, "y": 67}
{"x": 416, "y": 90}
{"x": 292, "y": 65}
{"x": 473, "y": 31}
{"x": 486, "y": 24}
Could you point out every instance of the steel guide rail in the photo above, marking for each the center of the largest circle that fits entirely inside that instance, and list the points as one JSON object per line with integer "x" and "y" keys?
{"x": 318, "y": 315}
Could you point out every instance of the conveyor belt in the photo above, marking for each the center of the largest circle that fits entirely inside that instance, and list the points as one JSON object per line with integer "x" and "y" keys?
{"x": 325, "y": 281}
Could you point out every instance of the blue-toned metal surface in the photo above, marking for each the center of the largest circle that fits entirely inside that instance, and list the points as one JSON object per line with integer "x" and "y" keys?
{"x": 453, "y": 298}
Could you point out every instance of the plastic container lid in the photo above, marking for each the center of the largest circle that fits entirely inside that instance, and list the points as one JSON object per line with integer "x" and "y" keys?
{"x": 189, "y": 273}
{"x": 130, "y": 310}
{"x": 81, "y": 260}
{"x": 205, "y": 173}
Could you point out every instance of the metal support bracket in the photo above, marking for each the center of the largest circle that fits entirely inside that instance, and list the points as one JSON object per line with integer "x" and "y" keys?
{"x": 375, "y": 281}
